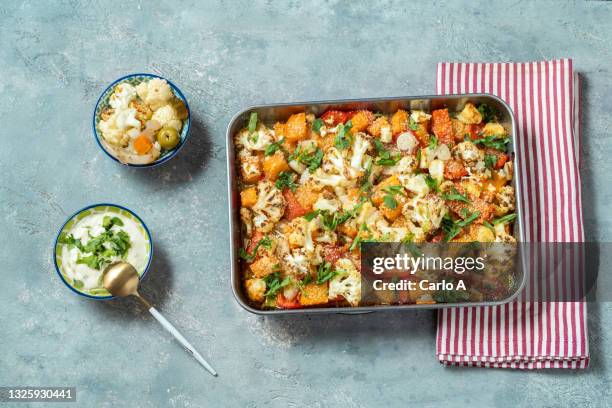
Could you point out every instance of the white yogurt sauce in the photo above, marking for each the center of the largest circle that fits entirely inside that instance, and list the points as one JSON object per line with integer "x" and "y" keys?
{"x": 91, "y": 225}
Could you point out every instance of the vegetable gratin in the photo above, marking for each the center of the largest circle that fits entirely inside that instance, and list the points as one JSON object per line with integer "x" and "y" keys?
{"x": 313, "y": 188}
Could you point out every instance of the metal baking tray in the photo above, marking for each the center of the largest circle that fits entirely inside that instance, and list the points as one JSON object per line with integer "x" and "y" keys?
{"x": 271, "y": 113}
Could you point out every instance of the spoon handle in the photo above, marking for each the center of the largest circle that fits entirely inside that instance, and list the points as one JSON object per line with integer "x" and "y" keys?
{"x": 177, "y": 335}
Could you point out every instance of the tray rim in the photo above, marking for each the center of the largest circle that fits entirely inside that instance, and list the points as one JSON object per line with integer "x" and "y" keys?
{"x": 234, "y": 222}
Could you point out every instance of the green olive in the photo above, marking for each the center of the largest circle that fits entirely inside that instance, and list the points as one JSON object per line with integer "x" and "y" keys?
{"x": 168, "y": 137}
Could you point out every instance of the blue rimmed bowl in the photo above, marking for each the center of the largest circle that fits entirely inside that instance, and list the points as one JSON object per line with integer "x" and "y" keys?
{"x": 59, "y": 248}
{"x": 103, "y": 103}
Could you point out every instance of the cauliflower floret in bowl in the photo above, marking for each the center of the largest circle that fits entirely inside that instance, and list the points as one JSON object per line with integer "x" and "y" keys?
{"x": 141, "y": 120}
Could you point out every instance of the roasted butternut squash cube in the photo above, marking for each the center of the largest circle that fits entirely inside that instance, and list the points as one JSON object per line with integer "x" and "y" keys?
{"x": 274, "y": 164}
{"x": 375, "y": 128}
{"x": 314, "y": 294}
{"x": 379, "y": 193}
{"x": 392, "y": 214}
{"x": 361, "y": 120}
{"x": 399, "y": 122}
{"x": 441, "y": 126}
{"x": 264, "y": 266}
{"x": 248, "y": 197}
{"x": 296, "y": 127}
{"x": 306, "y": 196}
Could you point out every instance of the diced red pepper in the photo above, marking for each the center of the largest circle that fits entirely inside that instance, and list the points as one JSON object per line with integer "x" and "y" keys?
{"x": 474, "y": 130}
{"x": 335, "y": 117}
{"x": 284, "y": 303}
{"x": 501, "y": 160}
{"x": 257, "y": 236}
{"x": 293, "y": 209}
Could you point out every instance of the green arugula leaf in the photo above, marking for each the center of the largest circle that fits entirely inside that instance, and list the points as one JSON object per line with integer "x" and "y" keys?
{"x": 343, "y": 138}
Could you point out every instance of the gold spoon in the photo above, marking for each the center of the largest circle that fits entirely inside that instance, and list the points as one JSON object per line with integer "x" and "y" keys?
{"x": 121, "y": 279}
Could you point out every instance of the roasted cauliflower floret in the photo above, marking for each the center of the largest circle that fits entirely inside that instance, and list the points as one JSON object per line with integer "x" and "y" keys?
{"x": 419, "y": 116}
{"x": 361, "y": 144}
{"x": 494, "y": 129}
{"x": 347, "y": 283}
{"x": 501, "y": 234}
{"x": 470, "y": 115}
{"x": 250, "y": 166}
{"x": 426, "y": 212}
{"x": 415, "y": 184}
{"x": 258, "y": 140}
{"x": 269, "y": 208}
{"x": 256, "y": 289}
{"x": 406, "y": 165}
{"x": 468, "y": 153}
{"x": 504, "y": 201}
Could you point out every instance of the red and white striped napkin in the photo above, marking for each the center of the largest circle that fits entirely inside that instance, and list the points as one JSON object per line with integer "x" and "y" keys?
{"x": 526, "y": 334}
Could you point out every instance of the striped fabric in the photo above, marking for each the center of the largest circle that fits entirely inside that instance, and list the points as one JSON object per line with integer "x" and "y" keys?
{"x": 527, "y": 334}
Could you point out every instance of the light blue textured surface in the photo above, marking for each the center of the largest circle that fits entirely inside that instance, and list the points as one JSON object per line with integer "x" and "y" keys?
{"x": 55, "y": 59}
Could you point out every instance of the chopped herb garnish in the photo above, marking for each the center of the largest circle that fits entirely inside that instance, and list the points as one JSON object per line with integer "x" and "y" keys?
{"x": 285, "y": 180}
{"x": 311, "y": 160}
{"x": 252, "y": 122}
{"x": 102, "y": 248}
{"x": 490, "y": 161}
{"x": 432, "y": 183}
{"x": 453, "y": 228}
{"x": 275, "y": 283}
{"x": 488, "y": 113}
{"x": 325, "y": 273}
{"x": 343, "y": 137}
{"x": 389, "y": 199}
{"x": 390, "y": 202}
{"x": 274, "y": 147}
{"x": 488, "y": 225}
{"x": 317, "y": 124}
{"x": 312, "y": 215}
{"x": 412, "y": 124}
{"x": 365, "y": 183}
{"x": 357, "y": 241}
{"x": 504, "y": 219}
{"x": 385, "y": 157}
{"x": 433, "y": 142}
{"x": 498, "y": 142}
{"x": 266, "y": 242}
{"x": 454, "y": 195}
